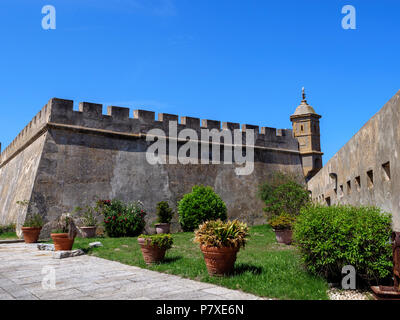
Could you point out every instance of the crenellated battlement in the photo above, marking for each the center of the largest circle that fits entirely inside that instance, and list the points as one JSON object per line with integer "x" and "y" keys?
{"x": 67, "y": 157}
{"x": 59, "y": 112}
{"x": 34, "y": 128}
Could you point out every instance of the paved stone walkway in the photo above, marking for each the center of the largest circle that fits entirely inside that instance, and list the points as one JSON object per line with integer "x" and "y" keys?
{"x": 23, "y": 268}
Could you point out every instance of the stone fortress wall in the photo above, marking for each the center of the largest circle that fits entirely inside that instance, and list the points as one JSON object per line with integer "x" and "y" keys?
{"x": 366, "y": 171}
{"x": 64, "y": 158}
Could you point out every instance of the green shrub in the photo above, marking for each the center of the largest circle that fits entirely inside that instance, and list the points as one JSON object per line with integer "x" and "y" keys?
{"x": 222, "y": 234}
{"x": 7, "y": 228}
{"x": 200, "y": 205}
{"x": 163, "y": 240}
{"x": 164, "y": 212}
{"x": 120, "y": 219}
{"x": 33, "y": 221}
{"x": 332, "y": 237}
{"x": 283, "y": 221}
{"x": 283, "y": 194}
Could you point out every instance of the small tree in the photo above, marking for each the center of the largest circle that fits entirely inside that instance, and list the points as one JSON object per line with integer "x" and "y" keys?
{"x": 164, "y": 212}
{"x": 283, "y": 194}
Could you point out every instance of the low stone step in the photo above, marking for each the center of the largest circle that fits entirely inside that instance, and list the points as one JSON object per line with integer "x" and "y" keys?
{"x": 11, "y": 241}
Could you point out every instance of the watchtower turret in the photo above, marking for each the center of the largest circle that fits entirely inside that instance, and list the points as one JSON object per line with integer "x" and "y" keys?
{"x": 306, "y": 130}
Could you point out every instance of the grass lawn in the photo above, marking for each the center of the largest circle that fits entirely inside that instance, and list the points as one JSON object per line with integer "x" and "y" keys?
{"x": 263, "y": 268}
{"x": 8, "y": 236}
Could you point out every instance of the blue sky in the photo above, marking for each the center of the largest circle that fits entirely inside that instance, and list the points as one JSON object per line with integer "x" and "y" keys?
{"x": 229, "y": 60}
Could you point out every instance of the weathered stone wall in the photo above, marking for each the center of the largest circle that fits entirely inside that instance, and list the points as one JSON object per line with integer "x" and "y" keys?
{"x": 17, "y": 180}
{"x": 86, "y": 155}
{"x": 358, "y": 173}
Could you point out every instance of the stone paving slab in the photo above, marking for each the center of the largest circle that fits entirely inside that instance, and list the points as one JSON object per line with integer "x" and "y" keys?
{"x": 24, "y": 269}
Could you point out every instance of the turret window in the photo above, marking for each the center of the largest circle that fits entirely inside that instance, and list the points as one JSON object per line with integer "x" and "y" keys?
{"x": 386, "y": 171}
{"x": 358, "y": 183}
{"x": 370, "y": 178}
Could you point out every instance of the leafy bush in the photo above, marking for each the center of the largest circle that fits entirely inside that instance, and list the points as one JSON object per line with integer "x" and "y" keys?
{"x": 283, "y": 221}
{"x": 7, "y": 228}
{"x": 283, "y": 194}
{"x": 200, "y": 205}
{"x": 120, "y": 219}
{"x": 332, "y": 237}
{"x": 163, "y": 241}
{"x": 222, "y": 234}
{"x": 164, "y": 212}
{"x": 33, "y": 221}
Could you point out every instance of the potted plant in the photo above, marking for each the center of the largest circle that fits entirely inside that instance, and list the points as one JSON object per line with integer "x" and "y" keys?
{"x": 64, "y": 235}
{"x": 88, "y": 221}
{"x": 220, "y": 242}
{"x": 154, "y": 247}
{"x": 282, "y": 225}
{"x": 32, "y": 226}
{"x": 164, "y": 217}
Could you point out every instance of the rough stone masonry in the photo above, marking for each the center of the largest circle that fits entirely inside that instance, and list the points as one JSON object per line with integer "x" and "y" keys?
{"x": 65, "y": 158}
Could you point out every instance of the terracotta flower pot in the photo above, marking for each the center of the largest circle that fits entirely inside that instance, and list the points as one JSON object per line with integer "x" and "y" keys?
{"x": 88, "y": 232}
{"x": 163, "y": 227}
{"x": 61, "y": 241}
{"x": 219, "y": 261}
{"x": 151, "y": 254}
{"x": 284, "y": 236}
{"x": 31, "y": 234}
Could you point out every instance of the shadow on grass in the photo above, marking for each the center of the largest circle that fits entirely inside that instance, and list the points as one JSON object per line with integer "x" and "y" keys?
{"x": 241, "y": 268}
{"x": 171, "y": 259}
{"x": 87, "y": 250}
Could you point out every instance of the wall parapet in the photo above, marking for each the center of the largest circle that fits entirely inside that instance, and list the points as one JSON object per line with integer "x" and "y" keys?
{"x": 365, "y": 170}
{"x": 117, "y": 119}
{"x": 30, "y": 132}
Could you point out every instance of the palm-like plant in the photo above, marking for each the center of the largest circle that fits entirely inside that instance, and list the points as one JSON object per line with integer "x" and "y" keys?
{"x": 66, "y": 224}
{"x": 217, "y": 233}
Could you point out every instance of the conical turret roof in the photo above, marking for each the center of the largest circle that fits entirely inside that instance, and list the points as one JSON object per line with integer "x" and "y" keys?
{"x": 304, "y": 107}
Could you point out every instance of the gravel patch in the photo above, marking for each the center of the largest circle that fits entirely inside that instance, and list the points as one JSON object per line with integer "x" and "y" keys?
{"x": 339, "y": 294}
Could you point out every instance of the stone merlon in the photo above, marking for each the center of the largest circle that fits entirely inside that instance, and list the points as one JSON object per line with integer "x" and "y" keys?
{"x": 59, "y": 112}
